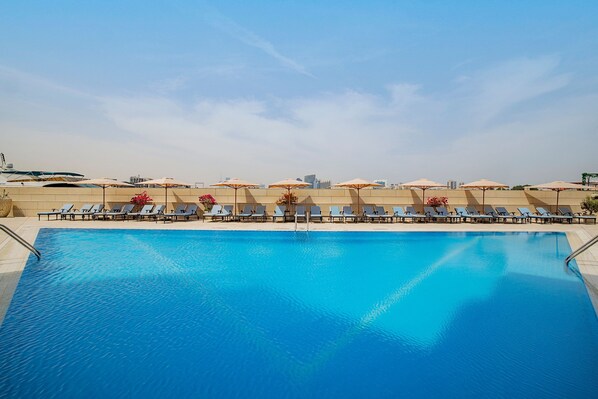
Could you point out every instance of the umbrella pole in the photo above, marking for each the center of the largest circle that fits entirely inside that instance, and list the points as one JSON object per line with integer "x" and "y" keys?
{"x": 103, "y": 196}
{"x": 235, "y": 209}
{"x": 423, "y": 199}
{"x": 558, "y": 192}
{"x": 358, "y": 203}
{"x": 483, "y": 200}
{"x": 289, "y": 198}
{"x": 166, "y": 199}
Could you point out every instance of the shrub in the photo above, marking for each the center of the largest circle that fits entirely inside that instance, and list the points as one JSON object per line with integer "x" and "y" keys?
{"x": 207, "y": 201}
{"x": 141, "y": 199}
{"x": 590, "y": 204}
{"x": 437, "y": 201}
{"x": 287, "y": 198}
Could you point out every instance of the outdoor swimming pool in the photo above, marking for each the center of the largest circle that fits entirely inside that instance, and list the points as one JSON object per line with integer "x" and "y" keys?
{"x": 134, "y": 313}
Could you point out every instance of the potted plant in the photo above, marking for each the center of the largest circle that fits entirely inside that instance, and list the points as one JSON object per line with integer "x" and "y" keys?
{"x": 437, "y": 201}
{"x": 5, "y": 204}
{"x": 207, "y": 201}
{"x": 140, "y": 200}
{"x": 590, "y": 204}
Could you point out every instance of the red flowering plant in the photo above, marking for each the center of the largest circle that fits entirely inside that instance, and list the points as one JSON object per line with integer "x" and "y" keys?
{"x": 207, "y": 201}
{"x": 437, "y": 201}
{"x": 141, "y": 199}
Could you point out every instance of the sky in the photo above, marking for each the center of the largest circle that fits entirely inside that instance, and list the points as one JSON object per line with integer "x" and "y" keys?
{"x": 265, "y": 90}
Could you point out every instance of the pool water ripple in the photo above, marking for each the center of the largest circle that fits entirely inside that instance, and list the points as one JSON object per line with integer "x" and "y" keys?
{"x": 116, "y": 313}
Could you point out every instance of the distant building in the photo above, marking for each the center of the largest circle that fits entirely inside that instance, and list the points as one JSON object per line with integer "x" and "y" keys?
{"x": 451, "y": 184}
{"x": 324, "y": 184}
{"x": 138, "y": 179}
{"x": 311, "y": 179}
{"x": 383, "y": 183}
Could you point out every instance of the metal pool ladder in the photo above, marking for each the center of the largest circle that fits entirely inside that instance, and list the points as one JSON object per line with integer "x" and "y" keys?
{"x": 578, "y": 251}
{"x": 306, "y": 222}
{"x": 21, "y": 241}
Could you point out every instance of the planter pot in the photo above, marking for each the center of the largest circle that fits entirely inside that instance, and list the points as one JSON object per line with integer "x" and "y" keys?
{"x": 5, "y": 207}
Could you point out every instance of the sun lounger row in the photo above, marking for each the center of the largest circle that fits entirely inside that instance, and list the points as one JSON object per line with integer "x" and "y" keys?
{"x": 336, "y": 214}
{"x": 123, "y": 212}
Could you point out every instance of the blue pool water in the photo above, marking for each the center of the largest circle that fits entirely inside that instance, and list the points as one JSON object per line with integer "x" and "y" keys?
{"x": 123, "y": 313}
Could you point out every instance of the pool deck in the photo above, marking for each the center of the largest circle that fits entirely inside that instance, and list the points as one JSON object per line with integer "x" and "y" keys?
{"x": 13, "y": 256}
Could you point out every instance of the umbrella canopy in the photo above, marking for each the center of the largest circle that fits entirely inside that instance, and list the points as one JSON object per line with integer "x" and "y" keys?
{"x": 484, "y": 185}
{"x": 236, "y": 184}
{"x": 357, "y": 184}
{"x": 559, "y": 186}
{"x": 423, "y": 184}
{"x": 165, "y": 182}
{"x": 105, "y": 182}
{"x": 289, "y": 184}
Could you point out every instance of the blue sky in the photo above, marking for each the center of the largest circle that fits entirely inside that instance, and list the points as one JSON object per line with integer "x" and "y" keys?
{"x": 268, "y": 90}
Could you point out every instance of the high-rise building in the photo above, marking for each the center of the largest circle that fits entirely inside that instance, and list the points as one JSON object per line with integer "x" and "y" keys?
{"x": 311, "y": 179}
{"x": 451, "y": 185}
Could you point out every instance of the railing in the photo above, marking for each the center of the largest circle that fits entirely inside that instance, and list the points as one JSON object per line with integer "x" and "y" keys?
{"x": 21, "y": 241}
{"x": 307, "y": 217}
{"x": 578, "y": 251}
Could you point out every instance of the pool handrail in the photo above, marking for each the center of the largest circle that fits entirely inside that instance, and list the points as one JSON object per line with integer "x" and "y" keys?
{"x": 21, "y": 241}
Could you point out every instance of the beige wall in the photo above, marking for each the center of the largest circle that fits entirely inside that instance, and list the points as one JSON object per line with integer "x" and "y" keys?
{"x": 27, "y": 201}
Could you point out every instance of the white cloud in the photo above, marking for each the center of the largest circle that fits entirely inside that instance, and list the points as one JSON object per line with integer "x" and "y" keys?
{"x": 248, "y": 37}
{"x": 489, "y": 125}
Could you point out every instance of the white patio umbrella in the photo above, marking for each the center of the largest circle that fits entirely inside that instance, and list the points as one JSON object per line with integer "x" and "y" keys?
{"x": 357, "y": 184}
{"x": 484, "y": 184}
{"x": 289, "y": 184}
{"x": 165, "y": 182}
{"x": 559, "y": 186}
{"x": 235, "y": 184}
{"x": 105, "y": 182}
{"x": 423, "y": 184}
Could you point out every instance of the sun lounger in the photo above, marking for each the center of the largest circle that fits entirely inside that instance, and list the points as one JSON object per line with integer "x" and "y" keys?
{"x": 433, "y": 215}
{"x": 502, "y": 211}
{"x": 226, "y": 213}
{"x": 369, "y": 215}
{"x": 555, "y": 218}
{"x": 259, "y": 214}
{"x": 155, "y": 213}
{"x": 246, "y": 213}
{"x": 348, "y": 214}
{"x": 188, "y": 212}
{"x": 566, "y": 211}
{"x": 532, "y": 216}
{"x": 300, "y": 213}
{"x": 116, "y": 211}
{"x": 85, "y": 209}
{"x": 180, "y": 209}
{"x": 477, "y": 216}
{"x": 401, "y": 215}
{"x": 335, "y": 213}
{"x": 144, "y": 211}
{"x": 383, "y": 215}
{"x": 503, "y": 216}
{"x": 443, "y": 212}
{"x": 62, "y": 212}
{"x": 416, "y": 215}
{"x": 279, "y": 213}
{"x": 315, "y": 213}
{"x": 215, "y": 211}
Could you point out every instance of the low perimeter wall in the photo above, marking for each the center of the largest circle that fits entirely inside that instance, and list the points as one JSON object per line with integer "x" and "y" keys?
{"x": 27, "y": 201}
